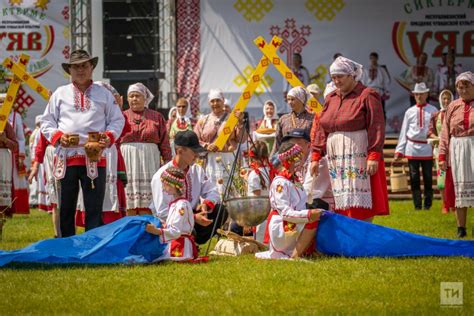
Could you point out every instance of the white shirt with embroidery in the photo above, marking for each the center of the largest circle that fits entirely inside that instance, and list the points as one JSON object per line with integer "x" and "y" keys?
{"x": 379, "y": 83}
{"x": 71, "y": 111}
{"x": 198, "y": 188}
{"x": 289, "y": 201}
{"x": 412, "y": 141}
{"x": 180, "y": 223}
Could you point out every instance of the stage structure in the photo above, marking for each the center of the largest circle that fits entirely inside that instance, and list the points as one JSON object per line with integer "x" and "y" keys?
{"x": 81, "y": 30}
{"x": 138, "y": 43}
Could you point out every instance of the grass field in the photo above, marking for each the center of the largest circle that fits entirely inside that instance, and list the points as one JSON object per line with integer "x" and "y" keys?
{"x": 241, "y": 285}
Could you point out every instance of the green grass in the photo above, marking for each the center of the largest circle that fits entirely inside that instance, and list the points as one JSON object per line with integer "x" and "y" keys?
{"x": 240, "y": 285}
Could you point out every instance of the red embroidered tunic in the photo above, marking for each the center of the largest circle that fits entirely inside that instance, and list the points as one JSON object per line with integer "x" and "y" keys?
{"x": 458, "y": 122}
{"x": 148, "y": 127}
{"x": 360, "y": 109}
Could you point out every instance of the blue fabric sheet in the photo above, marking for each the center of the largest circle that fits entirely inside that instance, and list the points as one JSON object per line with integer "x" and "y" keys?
{"x": 343, "y": 236}
{"x": 123, "y": 241}
{"x": 126, "y": 241}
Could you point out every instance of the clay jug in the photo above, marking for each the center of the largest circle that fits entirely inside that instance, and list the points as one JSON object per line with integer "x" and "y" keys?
{"x": 73, "y": 139}
{"x": 93, "y": 147}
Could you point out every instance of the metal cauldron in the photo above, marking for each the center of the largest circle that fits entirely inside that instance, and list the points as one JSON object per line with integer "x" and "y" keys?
{"x": 248, "y": 211}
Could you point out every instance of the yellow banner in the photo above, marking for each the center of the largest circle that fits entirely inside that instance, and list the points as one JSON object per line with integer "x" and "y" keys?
{"x": 244, "y": 99}
{"x": 271, "y": 54}
{"x": 11, "y": 93}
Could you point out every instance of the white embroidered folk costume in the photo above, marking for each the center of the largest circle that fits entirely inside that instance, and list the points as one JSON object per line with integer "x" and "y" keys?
{"x": 254, "y": 183}
{"x": 413, "y": 139}
{"x": 177, "y": 232}
{"x": 457, "y": 145}
{"x": 142, "y": 149}
{"x": 7, "y": 147}
{"x": 39, "y": 184}
{"x": 73, "y": 112}
{"x": 20, "y": 183}
{"x": 198, "y": 189}
{"x": 290, "y": 216}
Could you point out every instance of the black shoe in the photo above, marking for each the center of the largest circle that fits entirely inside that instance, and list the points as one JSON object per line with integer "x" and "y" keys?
{"x": 417, "y": 208}
{"x": 427, "y": 208}
{"x": 462, "y": 232}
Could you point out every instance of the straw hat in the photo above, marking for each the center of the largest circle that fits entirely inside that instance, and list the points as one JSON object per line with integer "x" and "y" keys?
{"x": 420, "y": 88}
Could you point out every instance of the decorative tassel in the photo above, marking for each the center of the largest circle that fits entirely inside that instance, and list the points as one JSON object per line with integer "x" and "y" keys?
{"x": 92, "y": 184}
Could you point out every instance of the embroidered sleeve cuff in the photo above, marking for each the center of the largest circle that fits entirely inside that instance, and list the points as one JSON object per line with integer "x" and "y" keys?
{"x": 442, "y": 157}
{"x": 373, "y": 155}
{"x": 209, "y": 204}
{"x": 315, "y": 156}
{"x": 111, "y": 136}
{"x": 56, "y": 137}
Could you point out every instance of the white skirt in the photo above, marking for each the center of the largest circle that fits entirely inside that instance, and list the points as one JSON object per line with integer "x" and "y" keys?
{"x": 347, "y": 162}
{"x": 462, "y": 165}
{"x": 51, "y": 182}
{"x": 5, "y": 177}
{"x": 34, "y": 189}
{"x": 43, "y": 196}
{"x": 319, "y": 187}
{"x": 142, "y": 161}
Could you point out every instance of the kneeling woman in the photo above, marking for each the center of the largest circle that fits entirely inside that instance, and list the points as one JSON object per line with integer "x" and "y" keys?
{"x": 291, "y": 227}
{"x": 180, "y": 222}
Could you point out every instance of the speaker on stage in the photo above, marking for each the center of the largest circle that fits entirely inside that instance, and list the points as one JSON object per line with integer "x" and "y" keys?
{"x": 131, "y": 35}
{"x": 131, "y": 44}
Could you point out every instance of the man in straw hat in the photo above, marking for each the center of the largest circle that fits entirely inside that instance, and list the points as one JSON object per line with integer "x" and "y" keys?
{"x": 413, "y": 145}
{"x": 74, "y": 111}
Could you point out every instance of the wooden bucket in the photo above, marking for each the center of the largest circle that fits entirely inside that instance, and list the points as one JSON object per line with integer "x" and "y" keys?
{"x": 398, "y": 181}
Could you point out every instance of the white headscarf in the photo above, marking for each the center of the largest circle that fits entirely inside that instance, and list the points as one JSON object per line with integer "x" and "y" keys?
{"x": 444, "y": 108}
{"x": 466, "y": 76}
{"x": 300, "y": 93}
{"x": 186, "y": 115}
{"x": 143, "y": 90}
{"x": 215, "y": 94}
{"x": 267, "y": 119}
{"x": 170, "y": 113}
{"x": 345, "y": 66}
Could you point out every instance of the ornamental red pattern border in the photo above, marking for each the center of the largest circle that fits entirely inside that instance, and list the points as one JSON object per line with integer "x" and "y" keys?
{"x": 188, "y": 51}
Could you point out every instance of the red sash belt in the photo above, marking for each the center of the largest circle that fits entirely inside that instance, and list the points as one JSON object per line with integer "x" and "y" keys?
{"x": 417, "y": 141}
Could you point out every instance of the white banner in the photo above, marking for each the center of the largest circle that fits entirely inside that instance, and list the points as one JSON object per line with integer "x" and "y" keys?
{"x": 40, "y": 29}
{"x": 397, "y": 30}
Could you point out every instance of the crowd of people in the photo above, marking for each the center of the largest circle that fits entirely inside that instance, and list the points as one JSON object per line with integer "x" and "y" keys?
{"x": 94, "y": 163}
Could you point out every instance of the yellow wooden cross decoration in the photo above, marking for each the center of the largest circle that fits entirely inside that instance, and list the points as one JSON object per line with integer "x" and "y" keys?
{"x": 270, "y": 55}
{"x": 19, "y": 75}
